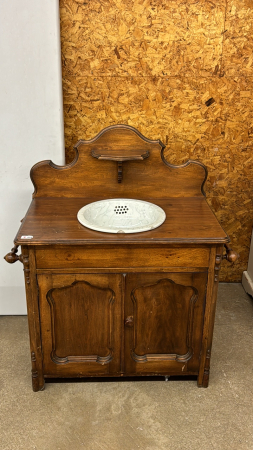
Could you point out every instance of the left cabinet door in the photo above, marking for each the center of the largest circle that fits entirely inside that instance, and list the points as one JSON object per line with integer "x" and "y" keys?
{"x": 80, "y": 317}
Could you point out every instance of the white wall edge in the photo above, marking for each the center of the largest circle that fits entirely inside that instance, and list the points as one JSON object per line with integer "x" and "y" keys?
{"x": 31, "y": 113}
{"x": 247, "y": 283}
{"x": 12, "y": 301}
{"x": 61, "y": 113}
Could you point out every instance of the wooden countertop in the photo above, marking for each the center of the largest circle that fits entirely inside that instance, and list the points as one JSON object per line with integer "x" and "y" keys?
{"x": 50, "y": 221}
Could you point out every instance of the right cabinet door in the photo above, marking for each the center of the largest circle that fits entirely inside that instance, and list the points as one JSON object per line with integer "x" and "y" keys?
{"x": 164, "y": 322}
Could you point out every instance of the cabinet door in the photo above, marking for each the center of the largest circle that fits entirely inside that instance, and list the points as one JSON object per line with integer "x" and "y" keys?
{"x": 164, "y": 322}
{"x": 80, "y": 323}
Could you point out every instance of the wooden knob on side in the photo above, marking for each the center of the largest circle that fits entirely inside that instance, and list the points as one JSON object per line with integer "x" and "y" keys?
{"x": 231, "y": 255}
{"x": 12, "y": 257}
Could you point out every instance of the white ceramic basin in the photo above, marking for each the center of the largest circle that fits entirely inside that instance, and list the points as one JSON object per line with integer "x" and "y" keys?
{"x": 121, "y": 215}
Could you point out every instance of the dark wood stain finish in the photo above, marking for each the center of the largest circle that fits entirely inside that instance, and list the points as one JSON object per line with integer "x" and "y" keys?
{"x": 89, "y": 177}
{"x": 120, "y": 304}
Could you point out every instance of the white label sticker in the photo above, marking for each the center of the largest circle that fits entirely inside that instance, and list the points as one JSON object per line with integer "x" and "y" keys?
{"x": 26, "y": 237}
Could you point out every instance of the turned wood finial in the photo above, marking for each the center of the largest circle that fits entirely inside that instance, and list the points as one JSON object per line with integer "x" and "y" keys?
{"x": 231, "y": 255}
{"x": 12, "y": 257}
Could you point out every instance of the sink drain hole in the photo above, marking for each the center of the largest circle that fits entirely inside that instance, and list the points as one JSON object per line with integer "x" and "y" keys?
{"x": 120, "y": 209}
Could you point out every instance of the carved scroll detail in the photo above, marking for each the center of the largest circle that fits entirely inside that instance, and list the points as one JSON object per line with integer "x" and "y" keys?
{"x": 162, "y": 357}
{"x": 84, "y": 359}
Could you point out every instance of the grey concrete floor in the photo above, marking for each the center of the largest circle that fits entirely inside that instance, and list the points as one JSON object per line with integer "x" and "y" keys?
{"x": 131, "y": 415}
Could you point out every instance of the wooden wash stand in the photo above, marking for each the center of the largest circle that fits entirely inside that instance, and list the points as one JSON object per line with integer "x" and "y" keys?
{"x": 102, "y": 304}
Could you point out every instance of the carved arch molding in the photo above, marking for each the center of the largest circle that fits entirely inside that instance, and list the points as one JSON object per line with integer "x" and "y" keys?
{"x": 81, "y": 323}
{"x": 163, "y": 321}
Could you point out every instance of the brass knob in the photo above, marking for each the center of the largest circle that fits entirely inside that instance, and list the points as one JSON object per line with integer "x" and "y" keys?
{"x": 129, "y": 322}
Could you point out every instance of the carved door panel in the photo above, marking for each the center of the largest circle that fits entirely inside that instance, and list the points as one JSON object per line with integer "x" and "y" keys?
{"x": 80, "y": 323}
{"x": 164, "y": 322}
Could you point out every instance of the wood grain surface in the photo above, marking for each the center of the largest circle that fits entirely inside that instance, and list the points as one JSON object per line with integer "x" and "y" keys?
{"x": 54, "y": 221}
{"x": 90, "y": 176}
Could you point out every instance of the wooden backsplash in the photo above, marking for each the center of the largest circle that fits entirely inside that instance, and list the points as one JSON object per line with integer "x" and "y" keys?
{"x": 180, "y": 71}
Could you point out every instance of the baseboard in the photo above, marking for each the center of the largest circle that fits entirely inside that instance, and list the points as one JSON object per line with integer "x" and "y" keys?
{"x": 12, "y": 301}
{"x": 247, "y": 283}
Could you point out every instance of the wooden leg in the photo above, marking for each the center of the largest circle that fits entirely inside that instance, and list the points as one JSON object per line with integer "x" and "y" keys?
{"x": 204, "y": 381}
{"x": 38, "y": 382}
{"x": 211, "y": 297}
{"x": 32, "y": 299}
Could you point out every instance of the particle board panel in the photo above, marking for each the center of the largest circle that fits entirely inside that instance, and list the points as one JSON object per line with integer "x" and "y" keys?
{"x": 233, "y": 97}
{"x": 148, "y": 38}
{"x": 237, "y": 58}
{"x": 161, "y": 108}
{"x": 176, "y": 110}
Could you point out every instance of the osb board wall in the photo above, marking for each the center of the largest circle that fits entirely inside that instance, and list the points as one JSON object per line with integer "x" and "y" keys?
{"x": 178, "y": 70}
